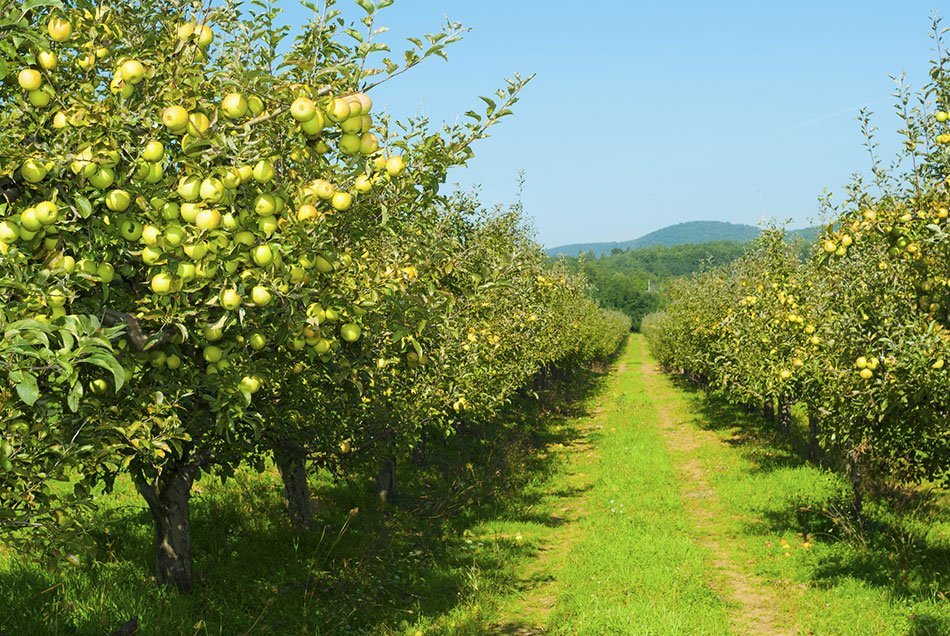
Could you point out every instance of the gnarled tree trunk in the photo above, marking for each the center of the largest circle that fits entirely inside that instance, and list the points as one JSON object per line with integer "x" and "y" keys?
{"x": 785, "y": 415}
{"x": 386, "y": 479}
{"x": 419, "y": 452}
{"x": 768, "y": 409}
{"x": 167, "y": 498}
{"x": 291, "y": 461}
{"x": 814, "y": 448}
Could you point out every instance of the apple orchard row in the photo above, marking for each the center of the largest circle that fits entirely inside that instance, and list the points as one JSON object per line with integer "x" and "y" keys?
{"x": 212, "y": 255}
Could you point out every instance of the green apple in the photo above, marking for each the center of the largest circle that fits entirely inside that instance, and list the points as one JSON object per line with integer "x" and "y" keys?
{"x": 175, "y": 118}
{"x": 132, "y": 71}
{"x": 189, "y": 188}
{"x": 350, "y": 332}
{"x": 118, "y": 200}
{"x": 161, "y": 283}
{"x": 33, "y": 171}
{"x": 56, "y": 298}
{"x": 156, "y": 172}
{"x": 352, "y": 125}
{"x": 174, "y": 235}
{"x": 205, "y": 36}
{"x": 212, "y": 333}
{"x": 260, "y": 295}
{"x": 363, "y": 184}
{"x": 211, "y": 190}
{"x": 368, "y": 143}
{"x": 47, "y": 212}
{"x": 234, "y": 106}
{"x": 263, "y": 171}
{"x": 245, "y": 238}
{"x": 324, "y": 189}
{"x": 150, "y": 235}
{"x": 29, "y": 221}
{"x": 342, "y": 201}
{"x": 29, "y": 79}
{"x": 230, "y": 299}
{"x": 314, "y": 126}
{"x": 338, "y": 110}
{"x": 151, "y": 254}
{"x": 209, "y": 219}
{"x": 157, "y": 359}
{"x": 212, "y": 354}
{"x": 170, "y": 211}
{"x": 130, "y": 230}
{"x": 257, "y": 341}
{"x": 231, "y": 178}
{"x": 395, "y": 166}
{"x": 267, "y": 225}
{"x": 198, "y": 125}
{"x": 189, "y": 212}
{"x": 9, "y": 232}
{"x": 106, "y": 272}
{"x": 263, "y": 255}
{"x": 250, "y": 384}
{"x": 154, "y": 151}
{"x": 39, "y": 99}
{"x": 349, "y": 144}
{"x": 59, "y": 29}
{"x": 186, "y": 271}
{"x": 265, "y": 204}
{"x": 323, "y": 264}
{"x": 196, "y": 251}
{"x": 303, "y": 109}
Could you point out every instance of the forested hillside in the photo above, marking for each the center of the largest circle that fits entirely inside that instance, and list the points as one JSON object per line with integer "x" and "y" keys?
{"x": 630, "y": 280}
{"x": 691, "y": 232}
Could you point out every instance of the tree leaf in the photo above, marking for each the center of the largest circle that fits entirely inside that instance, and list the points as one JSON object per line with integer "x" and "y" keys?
{"x": 27, "y": 389}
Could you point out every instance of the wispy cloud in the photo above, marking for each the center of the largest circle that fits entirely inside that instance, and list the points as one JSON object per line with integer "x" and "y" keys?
{"x": 853, "y": 110}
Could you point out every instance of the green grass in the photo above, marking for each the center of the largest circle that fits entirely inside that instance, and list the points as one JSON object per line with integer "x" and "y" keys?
{"x": 436, "y": 560}
{"x": 635, "y": 564}
{"x": 574, "y": 522}
{"x": 789, "y": 519}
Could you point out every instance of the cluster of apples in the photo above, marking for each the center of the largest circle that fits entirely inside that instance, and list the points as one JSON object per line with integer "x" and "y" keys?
{"x": 198, "y": 235}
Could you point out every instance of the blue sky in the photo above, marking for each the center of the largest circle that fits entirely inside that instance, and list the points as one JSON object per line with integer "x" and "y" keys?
{"x": 648, "y": 114}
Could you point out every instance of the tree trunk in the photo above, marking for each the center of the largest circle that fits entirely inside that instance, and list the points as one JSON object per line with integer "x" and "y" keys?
{"x": 291, "y": 461}
{"x": 785, "y": 415}
{"x": 386, "y": 480}
{"x": 856, "y": 476}
{"x": 814, "y": 448}
{"x": 167, "y": 499}
{"x": 419, "y": 454}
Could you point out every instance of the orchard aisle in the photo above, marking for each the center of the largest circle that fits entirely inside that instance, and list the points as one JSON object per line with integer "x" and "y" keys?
{"x": 643, "y": 547}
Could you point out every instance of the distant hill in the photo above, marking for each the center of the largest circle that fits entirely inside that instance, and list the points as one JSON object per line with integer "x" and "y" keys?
{"x": 689, "y": 233}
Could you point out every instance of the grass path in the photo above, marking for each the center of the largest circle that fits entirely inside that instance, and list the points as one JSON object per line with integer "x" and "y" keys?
{"x": 753, "y": 600}
{"x": 678, "y": 515}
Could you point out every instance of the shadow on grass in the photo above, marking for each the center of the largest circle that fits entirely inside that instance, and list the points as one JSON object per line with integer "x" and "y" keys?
{"x": 890, "y": 548}
{"x": 377, "y": 570}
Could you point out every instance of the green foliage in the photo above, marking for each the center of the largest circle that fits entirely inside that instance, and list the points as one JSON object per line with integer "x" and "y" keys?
{"x": 277, "y": 268}
{"x": 631, "y": 281}
{"x": 858, "y": 332}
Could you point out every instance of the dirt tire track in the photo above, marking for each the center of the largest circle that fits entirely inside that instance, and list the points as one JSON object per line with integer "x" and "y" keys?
{"x": 754, "y": 597}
